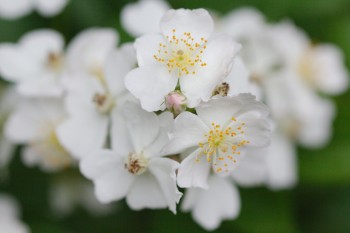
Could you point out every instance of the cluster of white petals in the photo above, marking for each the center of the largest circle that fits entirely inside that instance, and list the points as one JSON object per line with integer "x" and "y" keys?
{"x": 188, "y": 104}
{"x": 14, "y": 9}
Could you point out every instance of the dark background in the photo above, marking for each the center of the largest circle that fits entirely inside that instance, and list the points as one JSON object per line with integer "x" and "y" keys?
{"x": 321, "y": 201}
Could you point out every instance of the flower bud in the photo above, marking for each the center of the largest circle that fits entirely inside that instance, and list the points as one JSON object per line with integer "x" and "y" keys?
{"x": 176, "y": 102}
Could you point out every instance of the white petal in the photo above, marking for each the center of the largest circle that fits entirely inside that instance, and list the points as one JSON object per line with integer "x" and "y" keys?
{"x": 331, "y": 74}
{"x": 155, "y": 149}
{"x": 90, "y": 49}
{"x": 13, "y": 226}
{"x": 112, "y": 181}
{"x": 164, "y": 171}
{"x": 257, "y": 129}
{"x": 221, "y": 201}
{"x": 120, "y": 138}
{"x": 316, "y": 129}
{"x": 143, "y": 17}
{"x": 150, "y": 84}
{"x": 116, "y": 68}
{"x": 193, "y": 173}
{"x": 146, "y": 192}
{"x": 16, "y": 64}
{"x": 221, "y": 110}
{"x": 50, "y": 8}
{"x": 15, "y": 8}
{"x": 89, "y": 132}
{"x": 9, "y": 208}
{"x": 143, "y": 126}
{"x": 197, "y": 22}
{"x": 31, "y": 117}
{"x": 219, "y": 57}
{"x": 44, "y": 86}
{"x": 281, "y": 163}
{"x": 238, "y": 79}
{"x": 189, "y": 130}
{"x": 40, "y": 43}
{"x": 146, "y": 47}
{"x": 252, "y": 169}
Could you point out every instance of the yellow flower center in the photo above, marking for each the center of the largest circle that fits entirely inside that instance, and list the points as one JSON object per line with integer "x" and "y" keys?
{"x": 221, "y": 145}
{"x": 182, "y": 55}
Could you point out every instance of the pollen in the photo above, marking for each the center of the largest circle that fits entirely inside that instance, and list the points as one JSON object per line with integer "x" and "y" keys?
{"x": 222, "y": 145}
{"x": 136, "y": 164}
{"x": 181, "y": 54}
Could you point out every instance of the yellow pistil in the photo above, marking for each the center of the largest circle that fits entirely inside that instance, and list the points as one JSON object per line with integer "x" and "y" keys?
{"x": 181, "y": 55}
{"x": 222, "y": 144}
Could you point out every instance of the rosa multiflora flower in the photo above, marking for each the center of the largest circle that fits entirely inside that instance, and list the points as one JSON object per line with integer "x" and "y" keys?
{"x": 34, "y": 124}
{"x": 35, "y": 64}
{"x": 135, "y": 168}
{"x": 95, "y": 91}
{"x": 10, "y": 9}
{"x": 184, "y": 56}
{"x": 218, "y": 136}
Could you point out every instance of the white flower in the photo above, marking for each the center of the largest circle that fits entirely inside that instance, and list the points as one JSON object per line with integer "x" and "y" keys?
{"x": 96, "y": 92}
{"x": 219, "y": 135}
{"x": 134, "y": 168}
{"x": 13, "y": 9}
{"x": 143, "y": 17}
{"x": 183, "y": 54}
{"x": 320, "y": 66}
{"x": 69, "y": 192}
{"x": 298, "y": 111}
{"x": 221, "y": 201}
{"x": 248, "y": 27}
{"x": 34, "y": 124}
{"x": 9, "y": 214}
{"x": 35, "y": 64}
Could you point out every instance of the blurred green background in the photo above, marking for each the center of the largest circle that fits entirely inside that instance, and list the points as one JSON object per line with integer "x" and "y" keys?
{"x": 321, "y": 201}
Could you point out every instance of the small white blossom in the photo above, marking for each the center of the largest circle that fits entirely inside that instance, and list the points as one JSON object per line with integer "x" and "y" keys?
{"x": 35, "y": 63}
{"x": 13, "y": 9}
{"x": 135, "y": 167}
{"x": 319, "y": 66}
{"x": 183, "y": 55}
{"x": 96, "y": 91}
{"x": 34, "y": 124}
{"x": 218, "y": 136}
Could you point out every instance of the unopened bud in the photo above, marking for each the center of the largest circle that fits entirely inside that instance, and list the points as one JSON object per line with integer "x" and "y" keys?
{"x": 176, "y": 102}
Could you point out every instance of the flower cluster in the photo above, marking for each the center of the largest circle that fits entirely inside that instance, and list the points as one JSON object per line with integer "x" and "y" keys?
{"x": 186, "y": 105}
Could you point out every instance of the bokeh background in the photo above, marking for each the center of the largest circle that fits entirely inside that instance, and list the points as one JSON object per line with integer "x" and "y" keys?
{"x": 320, "y": 202}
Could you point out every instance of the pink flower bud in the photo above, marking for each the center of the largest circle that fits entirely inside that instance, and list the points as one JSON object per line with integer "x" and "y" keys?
{"x": 176, "y": 102}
